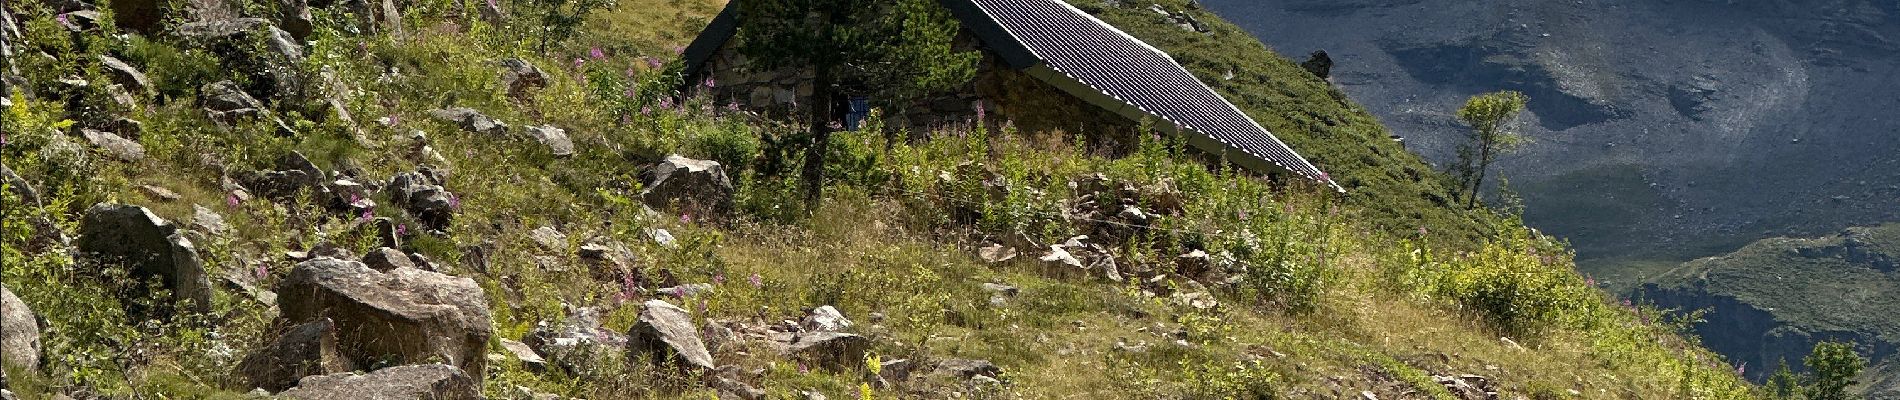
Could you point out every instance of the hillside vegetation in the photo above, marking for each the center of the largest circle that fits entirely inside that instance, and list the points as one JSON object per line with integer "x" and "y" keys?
{"x": 971, "y": 265}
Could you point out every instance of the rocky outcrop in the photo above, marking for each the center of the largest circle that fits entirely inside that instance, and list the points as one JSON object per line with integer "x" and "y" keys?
{"x": 554, "y": 138}
{"x": 685, "y": 185}
{"x": 412, "y": 382}
{"x": 112, "y": 144}
{"x": 148, "y": 247}
{"x": 303, "y": 350}
{"x": 519, "y": 77}
{"x": 575, "y": 342}
{"x": 402, "y": 316}
{"x": 422, "y": 195}
{"x": 666, "y": 334}
{"x": 124, "y": 74}
{"x": 19, "y": 332}
{"x": 832, "y": 350}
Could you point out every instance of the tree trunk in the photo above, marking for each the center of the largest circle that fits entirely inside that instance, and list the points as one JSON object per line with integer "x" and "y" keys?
{"x": 1484, "y": 164}
{"x": 820, "y": 122}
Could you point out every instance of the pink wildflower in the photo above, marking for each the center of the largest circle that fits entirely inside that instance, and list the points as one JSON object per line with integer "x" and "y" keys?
{"x": 655, "y": 63}
{"x": 630, "y": 92}
{"x": 493, "y": 5}
{"x": 679, "y": 50}
{"x": 679, "y": 291}
{"x": 596, "y": 53}
{"x": 719, "y": 279}
{"x": 686, "y": 218}
{"x": 1422, "y": 231}
{"x": 262, "y": 271}
{"x": 645, "y": 110}
{"x": 455, "y": 202}
{"x": 402, "y": 229}
{"x": 803, "y": 369}
{"x": 732, "y": 106}
{"x": 757, "y": 281}
{"x": 710, "y": 82}
{"x": 980, "y": 111}
{"x": 367, "y": 215}
{"x": 231, "y": 200}
{"x": 578, "y": 62}
{"x": 631, "y": 72}
{"x": 62, "y": 19}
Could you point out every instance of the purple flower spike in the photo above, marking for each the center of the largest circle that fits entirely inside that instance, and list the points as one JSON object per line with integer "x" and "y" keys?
{"x": 578, "y": 62}
{"x": 757, "y": 281}
{"x": 710, "y": 82}
{"x": 679, "y": 50}
{"x": 597, "y": 54}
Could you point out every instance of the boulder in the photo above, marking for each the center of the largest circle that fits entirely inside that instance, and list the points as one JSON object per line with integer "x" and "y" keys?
{"x": 665, "y": 332}
{"x": 295, "y": 174}
{"x": 996, "y": 253}
{"x": 422, "y": 195}
{"x": 403, "y": 316}
{"x": 549, "y": 239}
{"x": 149, "y": 247}
{"x": 1319, "y": 64}
{"x": 159, "y": 193}
{"x": 294, "y": 17}
{"x": 825, "y": 319}
{"x": 19, "y": 332}
{"x": 228, "y": 103}
{"x": 231, "y": 34}
{"x": 303, "y": 350}
{"x": 121, "y": 148}
{"x": 125, "y": 75}
{"x": 409, "y": 382}
{"x": 555, "y": 138}
{"x": 685, "y": 185}
{"x": 519, "y": 76}
{"x": 470, "y": 120}
{"x": 387, "y": 259}
{"x": 208, "y": 221}
{"x": 832, "y": 350}
{"x": 730, "y": 387}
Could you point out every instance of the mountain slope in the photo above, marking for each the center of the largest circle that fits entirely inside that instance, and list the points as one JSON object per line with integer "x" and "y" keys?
{"x": 1663, "y": 130}
{"x": 1777, "y": 297}
{"x": 1228, "y": 288}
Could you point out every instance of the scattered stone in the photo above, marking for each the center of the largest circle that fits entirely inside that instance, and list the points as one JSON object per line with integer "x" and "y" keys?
{"x": 825, "y": 319}
{"x": 81, "y": 20}
{"x": 728, "y": 386}
{"x": 967, "y": 369}
{"x": 549, "y": 239}
{"x": 387, "y": 259}
{"x": 519, "y": 76}
{"x": 555, "y": 138}
{"x": 159, "y": 193}
{"x": 717, "y": 335}
{"x": 418, "y": 382}
{"x": 663, "y": 238}
{"x": 832, "y": 350}
{"x": 19, "y": 186}
{"x": 686, "y": 290}
{"x": 985, "y": 380}
{"x": 149, "y": 247}
{"x": 522, "y": 352}
{"x": 118, "y": 147}
{"x": 403, "y": 316}
{"x": 19, "y": 332}
{"x": 1468, "y": 387}
{"x": 294, "y": 17}
{"x": 814, "y": 395}
{"x": 689, "y": 186}
{"x": 999, "y": 293}
{"x": 897, "y": 370}
{"x": 124, "y": 74}
{"x": 996, "y": 253}
{"x": 665, "y": 332}
{"x": 575, "y": 342}
{"x": 470, "y": 120}
{"x": 1059, "y": 256}
{"x": 227, "y": 103}
{"x": 424, "y": 197}
{"x": 303, "y": 350}
{"x": 208, "y": 221}
{"x": 233, "y": 32}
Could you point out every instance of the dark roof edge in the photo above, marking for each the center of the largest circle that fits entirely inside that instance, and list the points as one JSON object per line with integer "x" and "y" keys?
{"x": 992, "y": 33}
{"x": 717, "y": 33}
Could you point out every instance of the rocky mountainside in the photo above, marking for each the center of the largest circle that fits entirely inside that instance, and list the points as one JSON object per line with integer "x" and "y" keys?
{"x": 389, "y": 199}
{"x": 1776, "y": 298}
{"x": 1664, "y": 130}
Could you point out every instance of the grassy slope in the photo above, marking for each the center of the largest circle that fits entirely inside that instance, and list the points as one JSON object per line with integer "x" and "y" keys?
{"x": 1372, "y": 315}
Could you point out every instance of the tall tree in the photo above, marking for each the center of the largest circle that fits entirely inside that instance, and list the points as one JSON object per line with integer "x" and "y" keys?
{"x": 896, "y": 49}
{"x": 1492, "y": 117}
{"x": 1783, "y": 384}
{"x": 1832, "y": 367}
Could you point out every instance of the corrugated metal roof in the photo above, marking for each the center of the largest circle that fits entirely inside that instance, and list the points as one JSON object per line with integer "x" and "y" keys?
{"x": 1118, "y": 65}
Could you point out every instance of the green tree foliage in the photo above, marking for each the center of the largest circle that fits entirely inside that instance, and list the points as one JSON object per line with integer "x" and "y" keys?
{"x": 896, "y": 50}
{"x": 558, "y": 20}
{"x": 1491, "y": 117}
{"x": 1783, "y": 385}
{"x": 1831, "y": 368}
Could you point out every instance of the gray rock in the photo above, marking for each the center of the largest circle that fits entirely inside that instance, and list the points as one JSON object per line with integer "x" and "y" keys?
{"x": 227, "y": 97}
{"x": 159, "y": 193}
{"x": 422, "y": 195}
{"x": 208, "y": 221}
{"x": 417, "y": 382}
{"x": 233, "y": 31}
{"x": 694, "y": 187}
{"x": 665, "y": 332}
{"x": 303, "y": 350}
{"x": 734, "y": 388}
{"x": 525, "y": 354}
{"x": 294, "y": 17}
{"x": 124, "y": 74}
{"x": 574, "y": 343}
{"x": 387, "y": 259}
{"x": 549, "y": 239}
{"x": 403, "y": 316}
{"x": 19, "y": 332}
{"x": 149, "y": 247}
{"x": 118, "y": 147}
{"x": 19, "y": 186}
{"x": 470, "y": 120}
{"x": 996, "y": 253}
{"x": 967, "y": 369}
{"x": 555, "y": 138}
{"x": 831, "y": 350}
{"x": 825, "y": 319}
{"x": 519, "y": 76}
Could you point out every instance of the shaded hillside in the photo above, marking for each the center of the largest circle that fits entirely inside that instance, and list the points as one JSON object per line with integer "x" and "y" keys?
{"x": 1776, "y": 298}
{"x": 1663, "y": 130}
